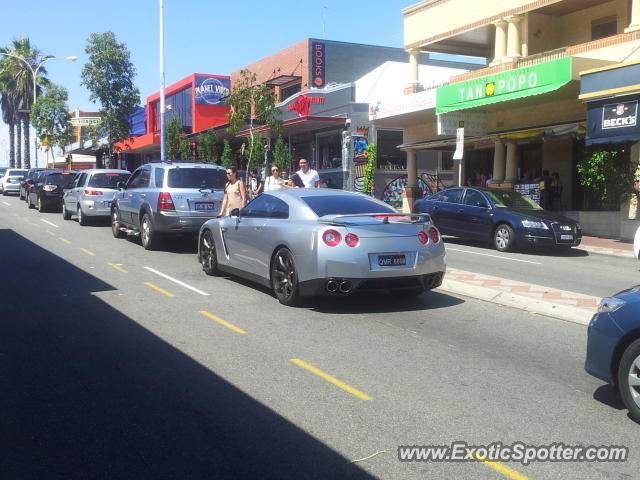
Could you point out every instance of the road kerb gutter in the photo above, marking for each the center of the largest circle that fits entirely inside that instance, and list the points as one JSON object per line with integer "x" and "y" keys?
{"x": 568, "y": 313}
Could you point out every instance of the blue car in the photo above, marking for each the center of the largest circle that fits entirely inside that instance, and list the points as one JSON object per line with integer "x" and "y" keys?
{"x": 503, "y": 217}
{"x": 613, "y": 346}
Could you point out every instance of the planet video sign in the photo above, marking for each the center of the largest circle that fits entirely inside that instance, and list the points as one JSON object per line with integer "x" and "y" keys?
{"x": 212, "y": 91}
{"x": 509, "y": 85}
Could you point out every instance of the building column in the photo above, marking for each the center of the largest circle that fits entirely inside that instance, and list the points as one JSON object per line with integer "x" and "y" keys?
{"x": 413, "y": 85}
{"x": 511, "y": 174}
{"x": 635, "y": 17}
{"x": 501, "y": 41}
{"x": 513, "y": 37}
{"x": 411, "y": 193}
{"x": 498, "y": 162}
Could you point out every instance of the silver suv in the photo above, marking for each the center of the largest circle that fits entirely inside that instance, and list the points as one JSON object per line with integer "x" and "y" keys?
{"x": 167, "y": 198}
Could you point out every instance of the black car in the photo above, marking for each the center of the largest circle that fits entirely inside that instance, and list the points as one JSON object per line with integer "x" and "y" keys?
{"x": 504, "y": 217}
{"x": 27, "y": 181}
{"x": 47, "y": 189}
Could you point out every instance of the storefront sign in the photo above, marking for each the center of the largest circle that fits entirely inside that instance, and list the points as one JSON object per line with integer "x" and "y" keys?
{"x": 211, "y": 91}
{"x": 407, "y": 104}
{"x": 302, "y": 103}
{"x": 318, "y": 64}
{"x": 509, "y": 85}
{"x": 85, "y": 121}
{"x": 475, "y": 124}
{"x": 613, "y": 122}
{"x": 619, "y": 115}
{"x": 457, "y": 155}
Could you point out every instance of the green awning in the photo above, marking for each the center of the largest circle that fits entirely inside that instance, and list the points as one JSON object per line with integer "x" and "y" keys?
{"x": 503, "y": 86}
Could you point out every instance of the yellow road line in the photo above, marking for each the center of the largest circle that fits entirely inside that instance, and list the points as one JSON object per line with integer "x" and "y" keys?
{"x": 120, "y": 269}
{"x": 88, "y": 252}
{"x": 158, "y": 289}
{"x": 35, "y": 225}
{"x": 65, "y": 240}
{"x": 224, "y": 323}
{"x": 330, "y": 379}
{"x": 504, "y": 470}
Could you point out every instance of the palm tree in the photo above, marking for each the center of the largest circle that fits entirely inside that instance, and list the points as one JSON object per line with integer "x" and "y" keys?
{"x": 17, "y": 75}
{"x": 8, "y": 117}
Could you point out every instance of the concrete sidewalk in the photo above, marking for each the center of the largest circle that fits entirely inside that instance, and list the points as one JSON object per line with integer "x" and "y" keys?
{"x": 606, "y": 246}
{"x": 552, "y": 302}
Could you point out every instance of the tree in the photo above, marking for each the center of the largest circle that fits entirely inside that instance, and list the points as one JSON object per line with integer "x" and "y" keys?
{"x": 172, "y": 143}
{"x": 282, "y": 155}
{"x": 255, "y": 155}
{"x": 185, "y": 150}
{"x": 50, "y": 117}
{"x": 17, "y": 79}
{"x": 369, "y": 169}
{"x": 109, "y": 75}
{"x": 252, "y": 102}
{"x": 227, "y": 157}
{"x": 207, "y": 147}
{"x": 9, "y": 117}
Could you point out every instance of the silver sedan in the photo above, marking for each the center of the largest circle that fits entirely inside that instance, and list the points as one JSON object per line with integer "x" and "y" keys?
{"x": 308, "y": 242}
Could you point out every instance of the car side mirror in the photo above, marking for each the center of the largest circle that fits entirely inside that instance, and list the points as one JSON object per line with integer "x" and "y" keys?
{"x": 235, "y": 212}
{"x": 120, "y": 185}
{"x": 482, "y": 205}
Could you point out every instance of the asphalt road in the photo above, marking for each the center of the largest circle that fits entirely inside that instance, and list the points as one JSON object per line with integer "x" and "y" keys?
{"x": 574, "y": 270}
{"x": 111, "y": 369}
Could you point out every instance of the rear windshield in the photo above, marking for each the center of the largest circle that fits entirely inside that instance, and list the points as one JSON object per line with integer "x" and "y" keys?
{"x": 197, "y": 178}
{"x": 63, "y": 180}
{"x": 345, "y": 205}
{"x": 108, "y": 180}
{"x": 16, "y": 173}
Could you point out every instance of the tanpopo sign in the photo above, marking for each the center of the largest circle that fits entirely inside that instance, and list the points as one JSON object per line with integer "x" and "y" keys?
{"x": 509, "y": 85}
{"x": 620, "y": 115}
{"x": 211, "y": 91}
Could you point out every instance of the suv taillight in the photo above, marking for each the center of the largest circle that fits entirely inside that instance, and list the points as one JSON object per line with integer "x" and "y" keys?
{"x": 9, "y": 180}
{"x": 49, "y": 188}
{"x": 165, "y": 202}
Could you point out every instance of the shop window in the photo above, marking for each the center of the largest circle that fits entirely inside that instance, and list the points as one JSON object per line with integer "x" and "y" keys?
{"x": 388, "y": 155}
{"x": 447, "y": 161}
{"x": 329, "y": 148}
{"x": 604, "y": 27}
{"x": 290, "y": 90}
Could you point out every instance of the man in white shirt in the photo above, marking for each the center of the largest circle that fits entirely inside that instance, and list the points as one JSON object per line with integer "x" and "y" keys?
{"x": 309, "y": 176}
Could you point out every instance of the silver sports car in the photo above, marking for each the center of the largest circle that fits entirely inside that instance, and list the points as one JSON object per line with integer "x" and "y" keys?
{"x": 307, "y": 242}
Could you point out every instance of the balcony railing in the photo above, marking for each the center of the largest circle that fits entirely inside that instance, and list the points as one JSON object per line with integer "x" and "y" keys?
{"x": 541, "y": 57}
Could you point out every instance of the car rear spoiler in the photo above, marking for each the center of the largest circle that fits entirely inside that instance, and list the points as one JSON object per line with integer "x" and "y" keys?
{"x": 416, "y": 218}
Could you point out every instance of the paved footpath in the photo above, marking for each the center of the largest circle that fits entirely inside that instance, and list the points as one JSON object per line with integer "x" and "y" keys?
{"x": 606, "y": 246}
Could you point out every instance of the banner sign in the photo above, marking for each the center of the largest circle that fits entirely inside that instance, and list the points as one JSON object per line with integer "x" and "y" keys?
{"x": 620, "y": 115}
{"x": 211, "y": 91}
{"x": 457, "y": 155}
{"x": 85, "y": 121}
{"x": 406, "y": 104}
{"x": 609, "y": 122}
{"x": 475, "y": 124}
{"x": 318, "y": 64}
{"x": 502, "y": 86}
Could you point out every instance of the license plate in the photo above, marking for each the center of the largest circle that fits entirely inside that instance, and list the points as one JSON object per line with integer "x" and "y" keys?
{"x": 566, "y": 237}
{"x": 206, "y": 207}
{"x": 106, "y": 203}
{"x": 391, "y": 260}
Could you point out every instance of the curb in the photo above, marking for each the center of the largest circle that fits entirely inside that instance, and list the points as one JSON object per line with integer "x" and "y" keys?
{"x": 568, "y": 313}
{"x": 606, "y": 251}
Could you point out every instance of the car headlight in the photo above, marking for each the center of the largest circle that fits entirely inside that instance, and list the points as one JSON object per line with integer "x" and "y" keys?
{"x": 610, "y": 305}
{"x": 534, "y": 224}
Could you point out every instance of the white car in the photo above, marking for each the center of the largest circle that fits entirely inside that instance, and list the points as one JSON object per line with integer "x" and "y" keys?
{"x": 10, "y": 181}
{"x": 636, "y": 244}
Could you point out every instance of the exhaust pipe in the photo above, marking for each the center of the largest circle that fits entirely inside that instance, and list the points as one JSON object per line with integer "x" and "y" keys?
{"x": 331, "y": 286}
{"x": 345, "y": 286}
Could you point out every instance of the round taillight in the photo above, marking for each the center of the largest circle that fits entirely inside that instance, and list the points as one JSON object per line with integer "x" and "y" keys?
{"x": 423, "y": 238}
{"x": 331, "y": 238}
{"x": 351, "y": 240}
{"x": 434, "y": 235}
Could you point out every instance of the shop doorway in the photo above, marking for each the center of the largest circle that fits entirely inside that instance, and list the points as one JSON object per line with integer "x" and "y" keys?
{"x": 530, "y": 164}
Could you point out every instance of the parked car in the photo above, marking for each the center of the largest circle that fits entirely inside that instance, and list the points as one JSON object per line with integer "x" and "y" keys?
{"x": 308, "y": 242}
{"x": 504, "y": 217}
{"x": 613, "y": 346}
{"x": 636, "y": 244}
{"x": 167, "y": 198}
{"x": 27, "y": 181}
{"x": 91, "y": 194}
{"x": 48, "y": 187}
{"x": 10, "y": 180}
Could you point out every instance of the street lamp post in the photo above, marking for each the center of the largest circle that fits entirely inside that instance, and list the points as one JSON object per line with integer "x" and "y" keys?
{"x": 35, "y": 84}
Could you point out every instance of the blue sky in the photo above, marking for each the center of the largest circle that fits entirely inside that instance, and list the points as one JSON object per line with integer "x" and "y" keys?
{"x": 201, "y": 36}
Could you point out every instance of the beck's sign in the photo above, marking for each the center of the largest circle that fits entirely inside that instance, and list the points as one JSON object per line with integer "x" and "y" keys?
{"x": 620, "y": 115}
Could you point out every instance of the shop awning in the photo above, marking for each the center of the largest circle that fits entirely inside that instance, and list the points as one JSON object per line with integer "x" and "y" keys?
{"x": 611, "y": 121}
{"x": 503, "y": 86}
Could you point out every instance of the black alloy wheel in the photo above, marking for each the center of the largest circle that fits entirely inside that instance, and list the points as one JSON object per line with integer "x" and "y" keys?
{"x": 148, "y": 237}
{"x": 629, "y": 379}
{"x": 208, "y": 257}
{"x": 284, "y": 278}
{"x": 66, "y": 214}
{"x": 115, "y": 224}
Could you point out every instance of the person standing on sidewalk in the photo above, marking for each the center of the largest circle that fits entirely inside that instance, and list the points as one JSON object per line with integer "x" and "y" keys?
{"x": 235, "y": 194}
{"x": 309, "y": 176}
